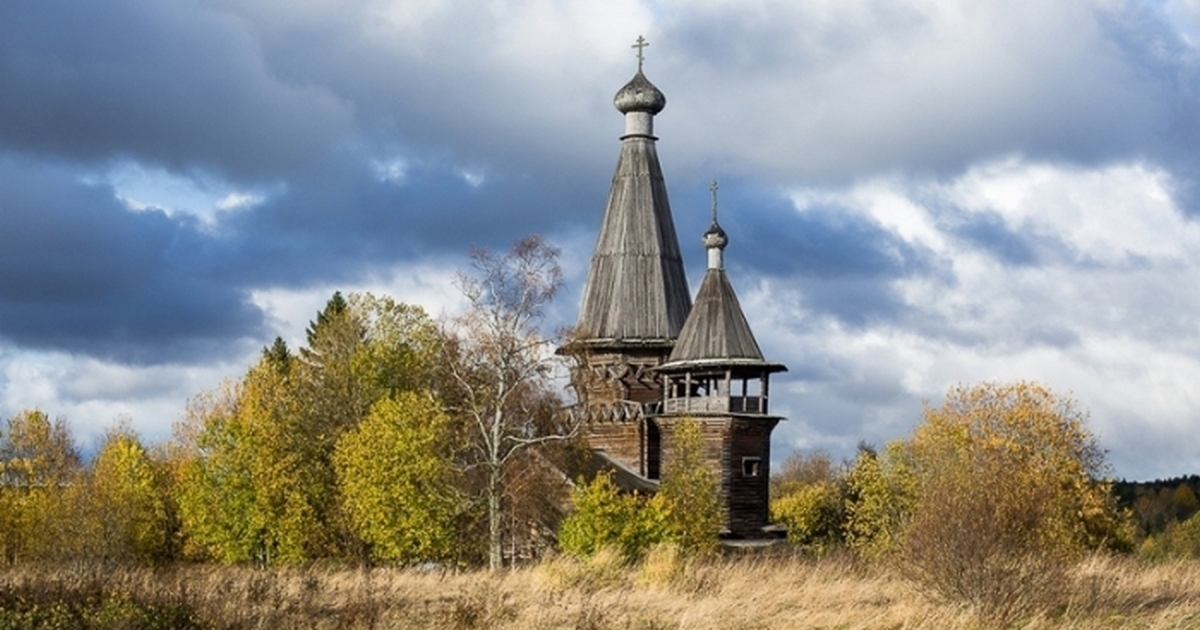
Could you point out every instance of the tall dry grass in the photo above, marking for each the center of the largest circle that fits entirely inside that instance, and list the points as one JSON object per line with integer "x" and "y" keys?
{"x": 666, "y": 592}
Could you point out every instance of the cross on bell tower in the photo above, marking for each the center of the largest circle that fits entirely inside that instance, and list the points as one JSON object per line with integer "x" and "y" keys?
{"x": 713, "y": 189}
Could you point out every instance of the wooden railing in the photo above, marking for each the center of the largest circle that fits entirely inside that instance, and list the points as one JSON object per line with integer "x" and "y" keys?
{"x": 716, "y": 404}
{"x": 747, "y": 404}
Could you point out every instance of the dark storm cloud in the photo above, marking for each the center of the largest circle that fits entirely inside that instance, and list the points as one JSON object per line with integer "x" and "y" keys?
{"x": 80, "y": 272}
{"x": 842, "y": 263}
{"x": 170, "y": 82}
{"x": 499, "y": 122}
{"x": 342, "y": 220}
{"x": 264, "y": 93}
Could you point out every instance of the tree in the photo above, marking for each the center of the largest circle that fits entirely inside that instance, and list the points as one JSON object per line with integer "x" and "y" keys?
{"x": 248, "y": 495}
{"x": 1179, "y": 539}
{"x": 807, "y": 498}
{"x": 129, "y": 499}
{"x": 880, "y": 493}
{"x": 502, "y": 364}
{"x": 689, "y": 491}
{"x": 398, "y": 482}
{"x": 1183, "y": 502}
{"x": 360, "y": 350}
{"x": 38, "y": 465}
{"x": 800, "y": 470}
{"x": 1009, "y": 492}
{"x": 36, "y": 452}
{"x": 260, "y": 483}
{"x": 813, "y": 514}
{"x": 537, "y": 495}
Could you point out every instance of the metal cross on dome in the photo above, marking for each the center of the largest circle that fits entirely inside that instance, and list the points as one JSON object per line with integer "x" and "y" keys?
{"x": 640, "y": 46}
{"x": 713, "y": 188}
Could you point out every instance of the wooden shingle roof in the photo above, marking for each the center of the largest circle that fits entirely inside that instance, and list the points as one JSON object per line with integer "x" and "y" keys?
{"x": 636, "y": 290}
{"x": 717, "y": 328}
{"x": 716, "y": 331}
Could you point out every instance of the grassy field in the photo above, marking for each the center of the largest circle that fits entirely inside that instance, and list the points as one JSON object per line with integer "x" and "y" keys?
{"x": 663, "y": 593}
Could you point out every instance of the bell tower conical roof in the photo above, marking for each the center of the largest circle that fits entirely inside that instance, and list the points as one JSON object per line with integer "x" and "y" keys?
{"x": 716, "y": 331}
{"x": 636, "y": 291}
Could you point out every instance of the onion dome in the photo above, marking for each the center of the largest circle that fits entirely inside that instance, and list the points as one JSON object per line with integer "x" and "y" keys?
{"x": 715, "y": 237}
{"x": 639, "y": 95}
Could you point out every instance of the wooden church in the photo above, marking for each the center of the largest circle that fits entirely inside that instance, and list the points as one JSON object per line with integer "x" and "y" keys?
{"x": 648, "y": 358}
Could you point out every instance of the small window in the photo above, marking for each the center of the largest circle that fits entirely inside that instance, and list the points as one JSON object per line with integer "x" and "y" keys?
{"x": 751, "y": 466}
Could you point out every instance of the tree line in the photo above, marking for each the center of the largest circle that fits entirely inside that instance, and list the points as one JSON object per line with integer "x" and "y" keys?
{"x": 1164, "y": 513}
{"x": 388, "y": 437}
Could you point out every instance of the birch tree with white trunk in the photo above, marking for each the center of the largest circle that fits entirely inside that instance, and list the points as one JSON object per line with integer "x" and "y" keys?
{"x": 503, "y": 367}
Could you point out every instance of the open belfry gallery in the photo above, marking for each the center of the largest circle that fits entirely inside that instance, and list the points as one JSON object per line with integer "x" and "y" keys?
{"x": 649, "y": 358}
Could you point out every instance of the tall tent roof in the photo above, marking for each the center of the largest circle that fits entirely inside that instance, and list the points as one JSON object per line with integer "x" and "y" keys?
{"x": 716, "y": 331}
{"x": 636, "y": 290}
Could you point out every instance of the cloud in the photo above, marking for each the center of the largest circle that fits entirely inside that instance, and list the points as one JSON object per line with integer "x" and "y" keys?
{"x": 917, "y": 193}
{"x": 1105, "y": 315}
{"x": 82, "y": 272}
{"x": 92, "y": 394}
{"x": 833, "y": 91}
{"x": 175, "y": 84}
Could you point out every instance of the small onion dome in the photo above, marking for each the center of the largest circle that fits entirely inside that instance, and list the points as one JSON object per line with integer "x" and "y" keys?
{"x": 715, "y": 237}
{"x": 639, "y": 95}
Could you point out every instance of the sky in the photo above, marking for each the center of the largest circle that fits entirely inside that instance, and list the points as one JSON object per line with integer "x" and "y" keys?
{"x": 918, "y": 193}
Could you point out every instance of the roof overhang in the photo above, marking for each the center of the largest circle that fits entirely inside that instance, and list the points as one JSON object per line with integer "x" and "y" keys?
{"x": 692, "y": 365}
{"x": 624, "y": 477}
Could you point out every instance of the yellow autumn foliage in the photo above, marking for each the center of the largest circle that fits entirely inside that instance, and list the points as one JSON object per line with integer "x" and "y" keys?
{"x": 130, "y": 501}
{"x": 397, "y": 480}
{"x": 1010, "y": 490}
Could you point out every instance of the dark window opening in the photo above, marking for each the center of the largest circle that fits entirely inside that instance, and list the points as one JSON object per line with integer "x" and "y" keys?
{"x": 653, "y": 450}
{"x": 751, "y": 466}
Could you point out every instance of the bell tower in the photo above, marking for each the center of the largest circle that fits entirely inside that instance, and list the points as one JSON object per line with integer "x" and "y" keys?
{"x": 716, "y": 376}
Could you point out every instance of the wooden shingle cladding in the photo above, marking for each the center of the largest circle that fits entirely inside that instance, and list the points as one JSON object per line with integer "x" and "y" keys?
{"x": 745, "y": 476}
{"x": 636, "y": 298}
{"x": 636, "y": 288}
{"x": 716, "y": 375}
{"x": 717, "y": 328}
{"x": 617, "y": 388}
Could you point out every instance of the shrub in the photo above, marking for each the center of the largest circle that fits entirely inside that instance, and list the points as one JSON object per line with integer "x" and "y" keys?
{"x": 813, "y": 514}
{"x": 604, "y": 518}
{"x": 1007, "y": 497}
{"x": 685, "y": 511}
{"x": 881, "y": 491}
